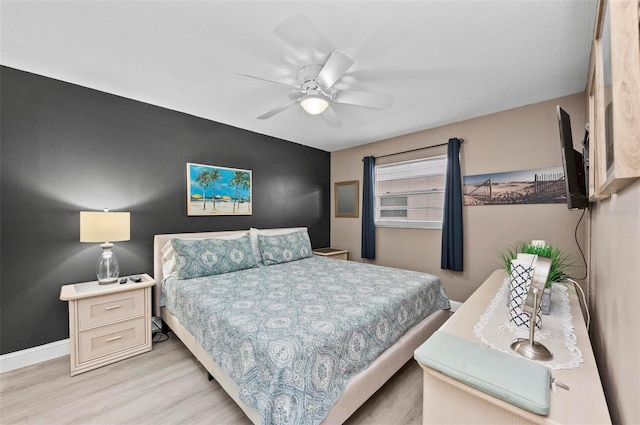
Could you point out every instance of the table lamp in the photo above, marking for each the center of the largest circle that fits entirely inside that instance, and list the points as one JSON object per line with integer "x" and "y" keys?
{"x": 529, "y": 347}
{"x": 106, "y": 227}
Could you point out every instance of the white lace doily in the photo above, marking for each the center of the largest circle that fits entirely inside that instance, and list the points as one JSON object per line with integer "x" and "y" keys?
{"x": 556, "y": 332}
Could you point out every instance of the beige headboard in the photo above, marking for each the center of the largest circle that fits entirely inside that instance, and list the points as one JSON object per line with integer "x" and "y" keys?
{"x": 159, "y": 241}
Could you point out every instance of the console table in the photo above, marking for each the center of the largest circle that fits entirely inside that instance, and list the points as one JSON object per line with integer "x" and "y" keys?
{"x": 446, "y": 400}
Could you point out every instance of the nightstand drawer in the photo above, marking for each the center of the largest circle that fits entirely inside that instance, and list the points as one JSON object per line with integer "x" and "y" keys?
{"x": 109, "y": 339}
{"x": 109, "y": 308}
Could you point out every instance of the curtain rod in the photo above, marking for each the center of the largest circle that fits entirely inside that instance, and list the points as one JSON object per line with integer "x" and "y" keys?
{"x": 418, "y": 149}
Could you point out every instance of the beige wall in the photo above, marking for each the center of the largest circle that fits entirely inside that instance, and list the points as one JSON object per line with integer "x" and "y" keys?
{"x": 517, "y": 139}
{"x": 615, "y": 297}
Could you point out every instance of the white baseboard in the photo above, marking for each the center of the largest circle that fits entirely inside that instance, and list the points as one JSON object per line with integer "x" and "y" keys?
{"x": 455, "y": 305}
{"x": 31, "y": 356}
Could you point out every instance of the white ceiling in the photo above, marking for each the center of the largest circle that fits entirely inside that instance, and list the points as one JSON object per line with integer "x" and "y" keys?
{"x": 445, "y": 61}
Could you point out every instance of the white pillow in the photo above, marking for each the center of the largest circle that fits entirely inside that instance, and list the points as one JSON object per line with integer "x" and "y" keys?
{"x": 253, "y": 235}
{"x": 168, "y": 258}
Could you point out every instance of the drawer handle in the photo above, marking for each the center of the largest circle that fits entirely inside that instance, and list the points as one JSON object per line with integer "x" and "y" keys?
{"x": 113, "y": 307}
{"x": 114, "y": 338}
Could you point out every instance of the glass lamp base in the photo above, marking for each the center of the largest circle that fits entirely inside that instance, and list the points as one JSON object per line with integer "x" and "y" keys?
{"x": 107, "y": 269}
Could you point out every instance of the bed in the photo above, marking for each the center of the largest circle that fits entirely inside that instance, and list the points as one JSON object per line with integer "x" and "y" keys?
{"x": 292, "y": 337}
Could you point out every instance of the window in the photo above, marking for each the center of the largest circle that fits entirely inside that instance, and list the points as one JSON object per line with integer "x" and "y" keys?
{"x": 411, "y": 193}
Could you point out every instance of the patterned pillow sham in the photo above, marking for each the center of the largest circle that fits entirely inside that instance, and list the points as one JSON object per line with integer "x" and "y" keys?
{"x": 276, "y": 249}
{"x": 207, "y": 257}
{"x": 168, "y": 259}
{"x": 253, "y": 235}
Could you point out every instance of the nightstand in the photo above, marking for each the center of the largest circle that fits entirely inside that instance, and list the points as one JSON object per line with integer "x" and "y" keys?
{"x": 339, "y": 254}
{"x": 107, "y": 323}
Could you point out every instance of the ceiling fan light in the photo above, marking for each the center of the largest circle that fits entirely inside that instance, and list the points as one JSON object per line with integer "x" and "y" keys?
{"x": 314, "y": 105}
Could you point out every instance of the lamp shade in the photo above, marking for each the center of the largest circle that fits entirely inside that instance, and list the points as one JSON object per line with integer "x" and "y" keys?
{"x": 314, "y": 105}
{"x": 98, "y": 226}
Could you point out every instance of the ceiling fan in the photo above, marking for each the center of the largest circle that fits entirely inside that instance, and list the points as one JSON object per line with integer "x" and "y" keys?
{"x": 316, "y": 93}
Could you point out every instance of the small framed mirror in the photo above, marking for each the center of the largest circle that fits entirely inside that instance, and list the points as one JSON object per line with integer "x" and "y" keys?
{"x": 346, "y": 199}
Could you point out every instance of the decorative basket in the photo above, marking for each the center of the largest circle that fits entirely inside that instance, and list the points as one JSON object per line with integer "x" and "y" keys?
{"x": 545, "y": 305}
{"x": 519, "y": 284}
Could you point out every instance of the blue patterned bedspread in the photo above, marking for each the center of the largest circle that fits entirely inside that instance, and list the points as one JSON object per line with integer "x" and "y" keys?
{"x": 292, "y": 335}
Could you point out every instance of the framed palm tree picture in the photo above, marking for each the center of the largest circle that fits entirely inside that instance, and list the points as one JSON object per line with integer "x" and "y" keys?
{"x": 213, "y": 190}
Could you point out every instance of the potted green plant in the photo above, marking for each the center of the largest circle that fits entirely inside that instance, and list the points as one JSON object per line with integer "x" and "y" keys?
{"x": 560, "y": 263}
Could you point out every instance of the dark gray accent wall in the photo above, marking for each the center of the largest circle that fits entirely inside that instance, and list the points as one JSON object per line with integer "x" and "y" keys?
{"x": 66, "y": 149}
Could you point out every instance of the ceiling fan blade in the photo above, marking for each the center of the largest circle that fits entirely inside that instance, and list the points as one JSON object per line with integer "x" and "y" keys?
{"x": 278, "y": 109}
{"x": 288, "y": 86}
{"x": 334, "y": 68}
{"x": 331, "y": 117}
{"x": 366, "y": 99}
{"x": 297, "y": 95}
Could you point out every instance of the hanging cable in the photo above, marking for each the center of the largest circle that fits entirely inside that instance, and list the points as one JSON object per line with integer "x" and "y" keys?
{"x": 579, "y": 289}
{"x": 158, "y": 331}
{"x": 582, "y": 301}
{"x": 584, "y": 260}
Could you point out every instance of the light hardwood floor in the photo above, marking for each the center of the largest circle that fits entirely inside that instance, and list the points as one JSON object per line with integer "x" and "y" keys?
{"x": 165, "y": 386}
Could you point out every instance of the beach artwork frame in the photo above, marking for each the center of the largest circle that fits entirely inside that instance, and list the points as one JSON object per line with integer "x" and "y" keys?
{"x": 536, "y": 186}
{"x": 214, "y": 190}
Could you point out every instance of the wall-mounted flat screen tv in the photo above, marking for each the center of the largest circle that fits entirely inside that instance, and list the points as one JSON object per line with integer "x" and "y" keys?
{"x": 573, "y": 165}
